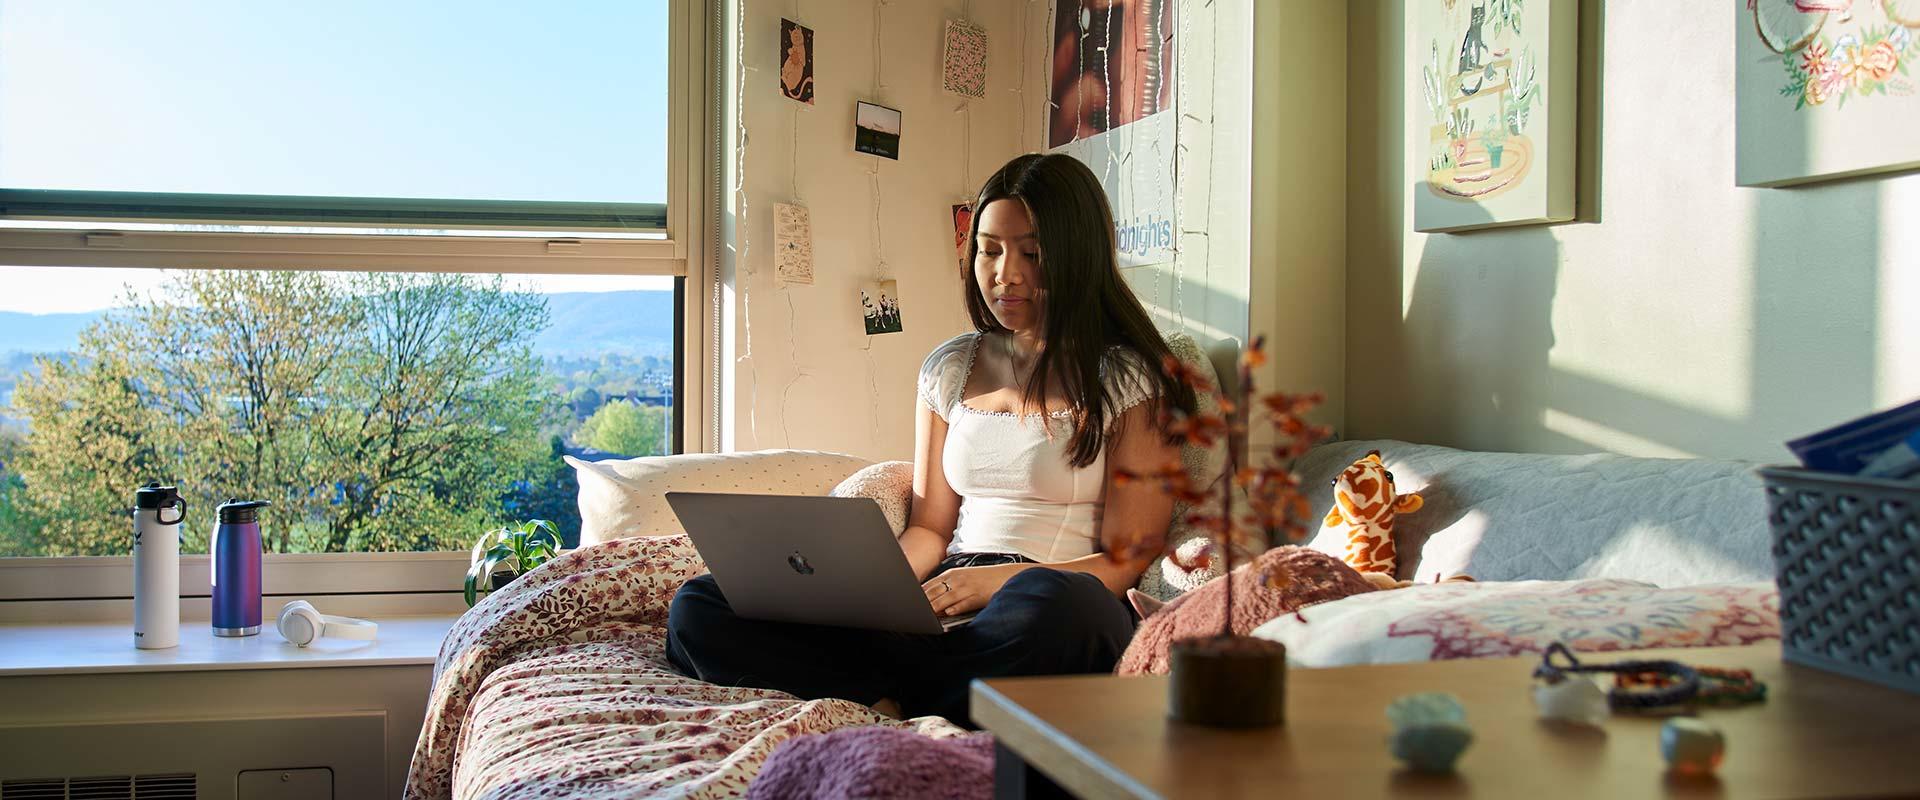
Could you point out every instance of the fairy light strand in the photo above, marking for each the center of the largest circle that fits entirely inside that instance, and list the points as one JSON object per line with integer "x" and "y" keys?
{"x": 742, "y": 227}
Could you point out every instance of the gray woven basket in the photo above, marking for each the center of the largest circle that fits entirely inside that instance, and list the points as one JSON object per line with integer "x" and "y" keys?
{"x": 1846, "y": 552}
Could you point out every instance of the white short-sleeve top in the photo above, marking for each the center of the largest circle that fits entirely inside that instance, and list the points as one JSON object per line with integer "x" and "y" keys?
{"x": 1018, "y": 494}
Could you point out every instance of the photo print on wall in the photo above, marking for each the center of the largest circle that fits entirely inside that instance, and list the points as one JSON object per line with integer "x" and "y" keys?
{"x": 792, "y": 244}
{"x": 962, "y": 227}
{"x": 796, "y": 61}
{"x": 876, "y": 130}
{"x": 963, "y": 61}
{"x": 880, "y": 304}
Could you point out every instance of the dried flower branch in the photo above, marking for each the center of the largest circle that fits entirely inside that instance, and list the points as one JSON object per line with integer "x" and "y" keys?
{"x": 1278, "y": 511}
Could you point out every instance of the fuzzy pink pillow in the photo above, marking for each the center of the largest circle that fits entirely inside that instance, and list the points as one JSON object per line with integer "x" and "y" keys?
{"x": 889, "y": 483}
{"x": 1315, "y": 577}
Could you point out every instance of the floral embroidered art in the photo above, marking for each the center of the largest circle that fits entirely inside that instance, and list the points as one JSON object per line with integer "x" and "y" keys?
{"x": 1877, "y": 61}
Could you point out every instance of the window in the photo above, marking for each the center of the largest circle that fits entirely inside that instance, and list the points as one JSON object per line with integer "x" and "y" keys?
{"x": 381, "y": 264}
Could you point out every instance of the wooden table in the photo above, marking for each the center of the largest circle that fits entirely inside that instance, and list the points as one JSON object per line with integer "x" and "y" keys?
{"x": 1817, "y": 735}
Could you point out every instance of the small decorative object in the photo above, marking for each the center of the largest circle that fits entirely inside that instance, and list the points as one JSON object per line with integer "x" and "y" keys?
{"x": 1365, "y": 505}
{"x": 796, "y": 62}
{"x": 1571, "y": 698}
{"x": 792, "y": 244}
{"x": 1491, "y": 159}
{"x": 1231, "y": 680}
{"x": 963, "y": 60}
{"x": 1692, "y": 746}
{"x": 880, "y": 305}
{"x": 1824, "y": 89}
{"x": 510, "y": 552}
{"x": 1640, "y": 685}
{"x": 1430, "y": 730}
{"x": 876, "y": 130}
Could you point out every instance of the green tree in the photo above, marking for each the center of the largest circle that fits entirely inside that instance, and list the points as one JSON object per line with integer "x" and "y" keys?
{"x": 629, "y": 429}
{"x": 376, "y": 411}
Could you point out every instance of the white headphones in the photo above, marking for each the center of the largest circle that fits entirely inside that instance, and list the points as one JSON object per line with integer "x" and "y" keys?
{"x": 300, "y": 624}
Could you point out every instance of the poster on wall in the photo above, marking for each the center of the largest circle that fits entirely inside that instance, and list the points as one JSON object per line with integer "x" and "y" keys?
{"x": 963, "y": 59}
{"x": 792, "y": 244}
{"x": 796, "y": 62}
{"x": 1825, "y": 89}
{"x": 1112, "y": 107}
{"x": 1496, "y": 127}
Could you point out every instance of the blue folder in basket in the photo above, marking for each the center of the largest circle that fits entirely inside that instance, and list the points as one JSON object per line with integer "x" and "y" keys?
{"x": 1847, "y": 447}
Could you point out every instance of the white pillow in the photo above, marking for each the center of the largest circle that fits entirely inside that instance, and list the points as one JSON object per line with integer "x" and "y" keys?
{"x": 627, "y": 497}
{"x": 888, "y": 483}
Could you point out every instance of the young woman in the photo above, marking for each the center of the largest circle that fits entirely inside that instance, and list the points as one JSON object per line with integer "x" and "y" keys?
{"x": 1021, "y": 424}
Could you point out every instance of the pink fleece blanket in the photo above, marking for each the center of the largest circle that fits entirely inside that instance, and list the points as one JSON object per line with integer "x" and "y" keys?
{"x": 877, "y": 762}
{"x": 1311, "y": 577}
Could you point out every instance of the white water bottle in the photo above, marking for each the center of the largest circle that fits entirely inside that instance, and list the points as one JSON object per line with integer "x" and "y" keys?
{"x": 157, "y": 511}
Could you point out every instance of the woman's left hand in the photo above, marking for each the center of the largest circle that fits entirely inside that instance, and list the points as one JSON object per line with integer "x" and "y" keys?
{"x": 967, "y": 589}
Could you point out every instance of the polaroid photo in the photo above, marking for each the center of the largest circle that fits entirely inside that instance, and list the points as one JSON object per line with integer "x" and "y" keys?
{"x": 876, "y": 130}
{"x": 792, "y": 244}
{"x": 880, "y": 304}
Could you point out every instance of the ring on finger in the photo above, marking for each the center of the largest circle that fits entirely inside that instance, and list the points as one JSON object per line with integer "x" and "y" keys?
{"x": 945, "y": 587}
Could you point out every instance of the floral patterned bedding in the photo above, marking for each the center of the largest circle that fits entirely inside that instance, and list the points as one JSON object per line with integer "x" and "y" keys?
{"x": 557, "y": 686}
{"x": 1511, "y": 618}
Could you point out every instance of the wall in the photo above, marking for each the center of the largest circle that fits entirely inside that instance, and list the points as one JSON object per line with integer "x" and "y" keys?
{"x": 1679, "y": 315}
{"x": 802, "y": 371}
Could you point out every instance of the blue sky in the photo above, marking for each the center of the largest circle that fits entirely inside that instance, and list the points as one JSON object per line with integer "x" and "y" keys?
{"x": 463, "y": 99}
{"x": 449, "y": 99}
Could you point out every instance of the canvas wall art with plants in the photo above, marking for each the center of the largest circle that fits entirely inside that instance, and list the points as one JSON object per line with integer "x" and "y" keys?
{"x": 1497, "y": 100}
{"x": 1825, "y": 89}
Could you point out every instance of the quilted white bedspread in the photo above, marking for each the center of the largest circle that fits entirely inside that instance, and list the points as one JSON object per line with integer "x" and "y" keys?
{"x": 1508, "y": 516}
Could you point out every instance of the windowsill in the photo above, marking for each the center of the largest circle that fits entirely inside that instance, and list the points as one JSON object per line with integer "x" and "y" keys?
{"x": 99, "y": 647}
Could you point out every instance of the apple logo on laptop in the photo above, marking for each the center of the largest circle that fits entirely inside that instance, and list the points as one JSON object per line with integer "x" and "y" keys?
{"x": 799, "y": 563}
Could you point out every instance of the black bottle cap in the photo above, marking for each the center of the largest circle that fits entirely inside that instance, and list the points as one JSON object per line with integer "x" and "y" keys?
{"x": 240, "y": 511}
{"x": 153, "y": 495}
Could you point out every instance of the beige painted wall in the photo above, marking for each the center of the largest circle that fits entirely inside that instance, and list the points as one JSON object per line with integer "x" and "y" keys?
{"x": 1297, "y": 248}
{"x": 1679, "y": 315}
{"x": 802, "y": 371}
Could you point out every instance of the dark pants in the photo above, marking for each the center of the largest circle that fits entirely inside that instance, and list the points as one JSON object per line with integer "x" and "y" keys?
{"x": 1042, "y": 622}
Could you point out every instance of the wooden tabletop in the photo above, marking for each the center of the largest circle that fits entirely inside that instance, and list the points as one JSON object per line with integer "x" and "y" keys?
{"x": 1817, "y": 735}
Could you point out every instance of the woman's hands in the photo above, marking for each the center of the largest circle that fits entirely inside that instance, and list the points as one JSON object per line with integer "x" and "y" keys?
{"x": 963, "y": 590}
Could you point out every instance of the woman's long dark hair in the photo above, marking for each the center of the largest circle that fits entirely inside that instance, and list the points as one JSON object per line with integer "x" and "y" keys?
{"x": 1089, "y": 307}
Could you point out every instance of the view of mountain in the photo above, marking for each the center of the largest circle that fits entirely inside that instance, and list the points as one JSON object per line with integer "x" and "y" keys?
{"x": 42, "y": 333}
{"x": 583, "y": 323}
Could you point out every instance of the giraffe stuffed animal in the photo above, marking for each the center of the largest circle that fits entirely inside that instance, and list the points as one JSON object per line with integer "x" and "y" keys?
{"x": 1365, "y": 506}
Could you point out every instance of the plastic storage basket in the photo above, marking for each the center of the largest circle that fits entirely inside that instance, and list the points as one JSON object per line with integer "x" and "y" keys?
{"x": 1846, "y": 551}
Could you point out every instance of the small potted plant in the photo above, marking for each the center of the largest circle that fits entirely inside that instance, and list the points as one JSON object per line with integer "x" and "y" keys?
{"x": 1233, "y": 680}
{"x": 1494, "y": 138}
{"x": 508, "y": 552}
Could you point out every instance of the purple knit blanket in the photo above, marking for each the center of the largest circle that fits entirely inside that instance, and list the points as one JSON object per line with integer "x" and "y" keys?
{"x": 877, "y": 762}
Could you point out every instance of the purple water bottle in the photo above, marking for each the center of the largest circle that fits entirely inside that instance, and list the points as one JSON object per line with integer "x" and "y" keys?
{"x": 236, "y": 569}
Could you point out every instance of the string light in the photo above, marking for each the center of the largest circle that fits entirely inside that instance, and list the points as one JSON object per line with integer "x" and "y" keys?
{"x": 742, "y": 226}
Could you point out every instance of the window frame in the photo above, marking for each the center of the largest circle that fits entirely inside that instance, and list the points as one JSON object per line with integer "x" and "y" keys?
{"x": 74, "y": 587}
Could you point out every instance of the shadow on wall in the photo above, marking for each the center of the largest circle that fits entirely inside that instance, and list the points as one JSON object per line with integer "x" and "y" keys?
{"x": 1477, "y": 334}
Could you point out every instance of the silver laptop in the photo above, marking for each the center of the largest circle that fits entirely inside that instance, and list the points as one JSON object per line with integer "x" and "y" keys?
{"x": 817, "y": 560}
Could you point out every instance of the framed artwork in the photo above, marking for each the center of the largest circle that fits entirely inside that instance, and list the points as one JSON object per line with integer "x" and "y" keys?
{"x": 1497, "y": 125}
{"x": 1825, "y": 89}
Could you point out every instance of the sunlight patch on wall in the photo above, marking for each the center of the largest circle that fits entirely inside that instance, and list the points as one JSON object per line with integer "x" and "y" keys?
{"x": 1605, "y": 437}
{"x": 1897, "y": 379}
